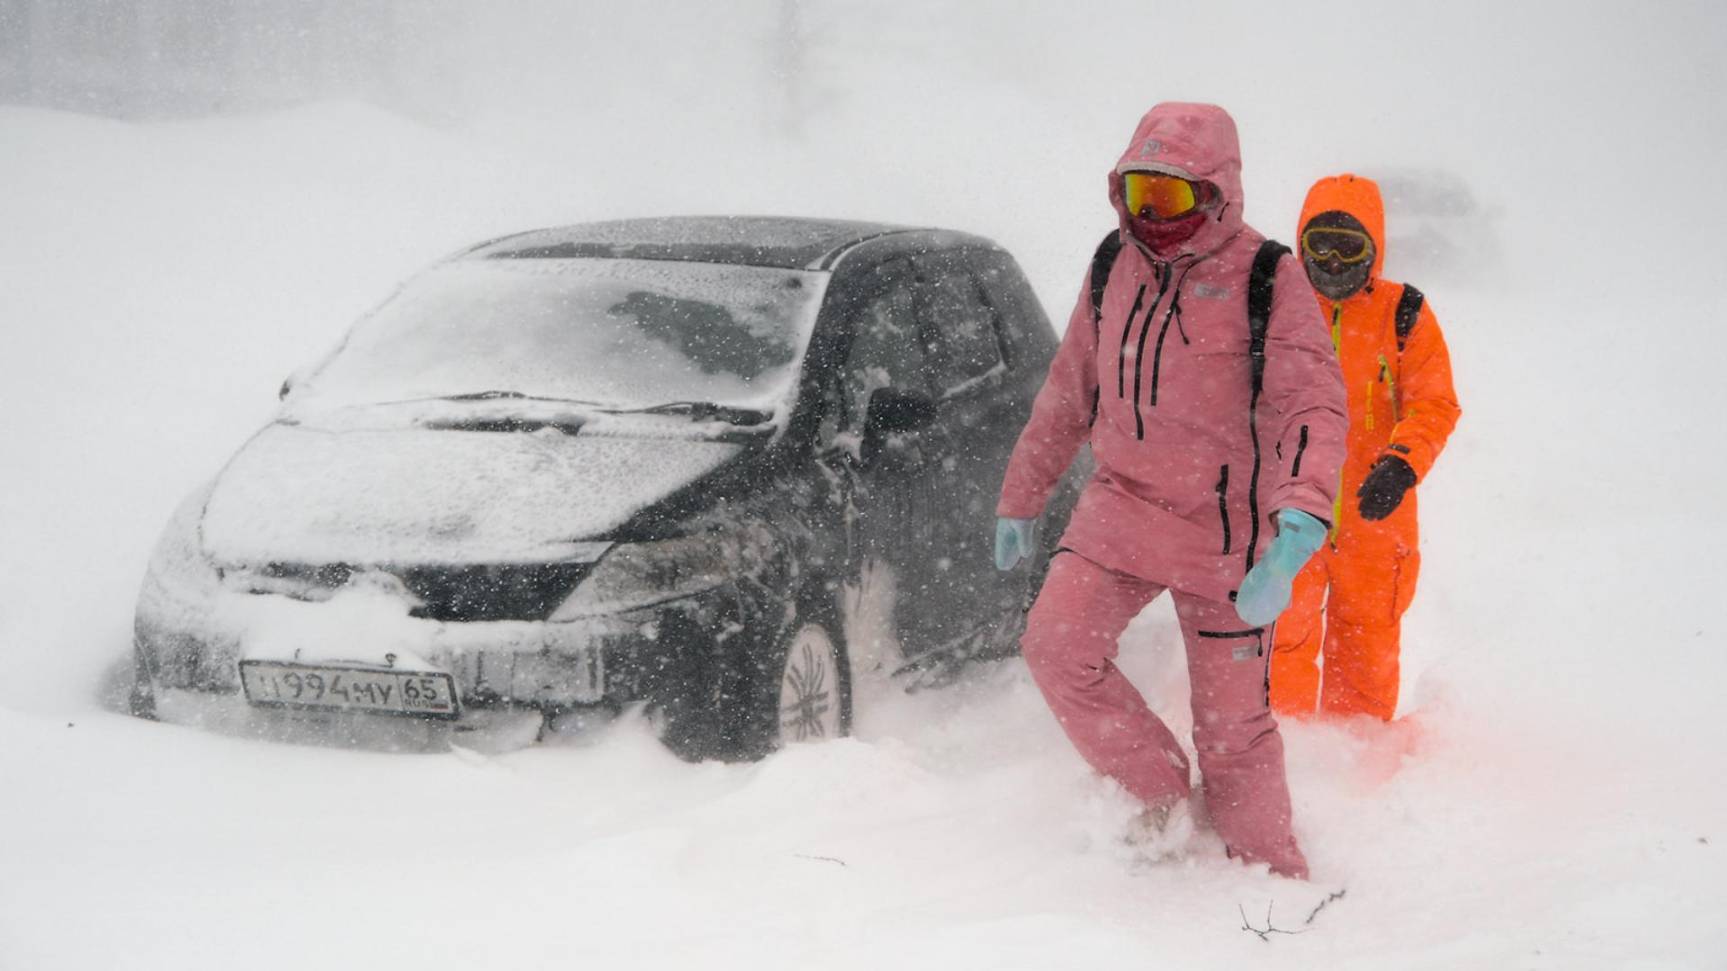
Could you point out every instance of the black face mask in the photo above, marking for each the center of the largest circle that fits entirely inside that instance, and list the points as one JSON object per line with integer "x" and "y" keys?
{"x": 1333, "y": 278}
{"x": 1338, "y": 285}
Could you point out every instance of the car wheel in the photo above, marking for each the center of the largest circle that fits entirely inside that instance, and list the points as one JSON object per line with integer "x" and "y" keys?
{"x": 810, "y": 707}
{"x": 795, "y": 688}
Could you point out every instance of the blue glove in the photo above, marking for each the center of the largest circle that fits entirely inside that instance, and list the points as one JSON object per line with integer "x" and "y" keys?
{"x": 1012, "y": 541}
{"x": 1264, "y": 592}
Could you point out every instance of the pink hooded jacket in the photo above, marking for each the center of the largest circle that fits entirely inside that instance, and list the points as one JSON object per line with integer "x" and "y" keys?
{"x": 1186, "y": 485}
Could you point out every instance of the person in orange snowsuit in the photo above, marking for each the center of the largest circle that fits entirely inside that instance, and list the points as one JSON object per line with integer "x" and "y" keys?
{"x": 1348, "y": 602}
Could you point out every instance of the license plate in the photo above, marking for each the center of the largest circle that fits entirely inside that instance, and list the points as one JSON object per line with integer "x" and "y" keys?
{"x": 280, "y": 685}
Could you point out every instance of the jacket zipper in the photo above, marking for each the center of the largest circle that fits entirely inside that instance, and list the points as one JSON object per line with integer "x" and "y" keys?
{"x": 1253, "y": 482}
{"x": 1139, "y": 352}
{"x": 1157, "y": 356}
{"x": 1223, "y": 505}
{"x": 1390, "y": 388}
{"x": 1121, "y": 357}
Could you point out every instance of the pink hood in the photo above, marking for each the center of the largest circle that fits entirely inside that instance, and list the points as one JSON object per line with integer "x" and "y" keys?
{"x": 1196, "y": 142}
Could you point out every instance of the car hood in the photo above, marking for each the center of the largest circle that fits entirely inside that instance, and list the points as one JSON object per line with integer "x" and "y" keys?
{"x": 297, "y": 494}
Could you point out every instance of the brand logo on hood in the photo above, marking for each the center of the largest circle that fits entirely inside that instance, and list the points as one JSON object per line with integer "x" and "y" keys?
{"x": 1150, "y": 147}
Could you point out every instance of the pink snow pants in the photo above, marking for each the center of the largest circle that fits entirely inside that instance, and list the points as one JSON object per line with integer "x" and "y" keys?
{"x": 1070, "y": 646}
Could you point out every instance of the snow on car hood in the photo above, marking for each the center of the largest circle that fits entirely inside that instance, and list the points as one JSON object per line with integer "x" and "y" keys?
{"x": 306, "y": 495}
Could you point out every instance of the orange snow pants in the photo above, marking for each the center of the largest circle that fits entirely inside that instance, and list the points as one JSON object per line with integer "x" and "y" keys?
{"x": 1347, "y": 608}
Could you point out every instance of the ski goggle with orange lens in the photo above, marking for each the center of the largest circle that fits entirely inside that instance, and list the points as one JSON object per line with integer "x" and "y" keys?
{"x": 1160, "y": 196}
{"x": 1348, "y": 245}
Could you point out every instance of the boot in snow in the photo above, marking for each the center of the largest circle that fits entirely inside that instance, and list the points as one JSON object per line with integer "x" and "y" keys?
{"x": 1161, "y": 832}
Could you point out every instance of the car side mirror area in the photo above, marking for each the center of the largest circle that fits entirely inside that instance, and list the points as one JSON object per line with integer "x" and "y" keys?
{"x": 892, "y": 412}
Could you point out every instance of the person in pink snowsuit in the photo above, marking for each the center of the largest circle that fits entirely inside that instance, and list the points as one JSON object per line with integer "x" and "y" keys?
{"x": 1210, "y": 465}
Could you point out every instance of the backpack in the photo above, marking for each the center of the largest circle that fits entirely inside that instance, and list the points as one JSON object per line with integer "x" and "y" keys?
{"x": 1408, "y": 311}
{"x": 1259, "y": 291}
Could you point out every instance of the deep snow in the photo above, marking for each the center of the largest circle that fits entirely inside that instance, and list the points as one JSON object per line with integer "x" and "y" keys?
{"x": 1554, "y": 799}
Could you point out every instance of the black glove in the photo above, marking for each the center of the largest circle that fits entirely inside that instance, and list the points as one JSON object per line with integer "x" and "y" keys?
{"x": 1383, "y": 489}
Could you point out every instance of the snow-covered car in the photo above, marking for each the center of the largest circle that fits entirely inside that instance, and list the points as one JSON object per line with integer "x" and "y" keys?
{"x": 638, "y": 461}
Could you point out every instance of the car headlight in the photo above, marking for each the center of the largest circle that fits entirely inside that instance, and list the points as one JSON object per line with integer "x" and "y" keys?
{"x": 178, "y": 628}
{"x": 635, "y": 575}
{"x": 179, "y": 574}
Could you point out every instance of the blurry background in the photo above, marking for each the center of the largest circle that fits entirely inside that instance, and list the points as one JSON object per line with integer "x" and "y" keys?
{"x": 198, "y": 196}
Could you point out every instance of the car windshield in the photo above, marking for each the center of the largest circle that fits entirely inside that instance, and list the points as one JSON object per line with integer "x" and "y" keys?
{"x": 612, "y": 334}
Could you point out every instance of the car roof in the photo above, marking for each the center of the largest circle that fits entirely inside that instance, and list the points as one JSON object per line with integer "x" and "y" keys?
{"x": 773, "y": 241}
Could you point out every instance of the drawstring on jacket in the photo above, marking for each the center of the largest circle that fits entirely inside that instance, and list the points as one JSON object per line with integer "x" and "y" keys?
{"x": 1163, "y": 332}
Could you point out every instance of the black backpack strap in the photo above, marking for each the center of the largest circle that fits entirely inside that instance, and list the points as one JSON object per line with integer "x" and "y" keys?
{"x": 1408, "y": 311}
{"x": 1260, "y": 282}
{"x": 1102, "y": 262}
{"x": 1259, "y": 292}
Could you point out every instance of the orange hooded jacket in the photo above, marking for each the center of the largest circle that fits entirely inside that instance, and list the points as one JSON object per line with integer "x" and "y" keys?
{"x": 1397, "y": 374}
{"x": 1400, "y": 394}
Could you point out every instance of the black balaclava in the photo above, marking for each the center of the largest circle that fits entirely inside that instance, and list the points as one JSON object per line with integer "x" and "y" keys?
{"x": 1333, "y": 278}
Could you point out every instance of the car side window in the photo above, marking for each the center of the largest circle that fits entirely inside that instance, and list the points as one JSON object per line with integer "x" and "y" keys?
{"x": 886, "y": 352}
{"x": 961, "y": 329}
{"x": 1027, "y": 339}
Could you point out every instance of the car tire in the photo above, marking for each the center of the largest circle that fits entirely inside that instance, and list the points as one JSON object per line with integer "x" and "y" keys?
{"x": 793, "y": 688}
{"x": 141, "y": 701}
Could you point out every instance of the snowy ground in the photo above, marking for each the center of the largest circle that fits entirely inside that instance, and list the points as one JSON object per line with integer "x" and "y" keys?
{"x": 1554, "y": 800}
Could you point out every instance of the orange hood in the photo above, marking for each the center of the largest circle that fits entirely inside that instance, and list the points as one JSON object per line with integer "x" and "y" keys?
{"x": 1355, "y": 195}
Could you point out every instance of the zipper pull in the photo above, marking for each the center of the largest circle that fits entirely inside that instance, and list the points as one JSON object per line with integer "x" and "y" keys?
{"x": 1390, "y": 380}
